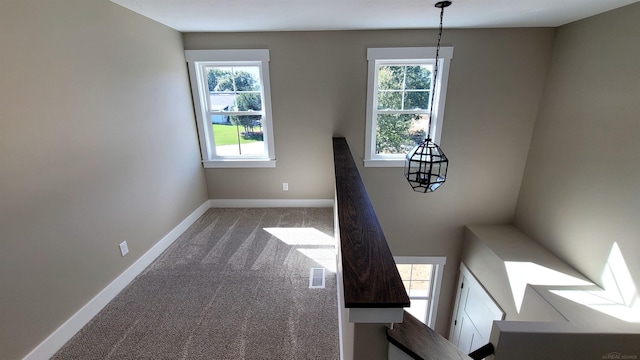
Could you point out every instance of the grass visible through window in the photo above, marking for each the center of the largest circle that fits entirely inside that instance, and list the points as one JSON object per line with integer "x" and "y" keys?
{"x": 228, "y": 135}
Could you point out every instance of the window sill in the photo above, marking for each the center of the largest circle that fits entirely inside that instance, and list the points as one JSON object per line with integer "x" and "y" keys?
{"x": 384, "y": 163}
{"x": 239, "y": 163}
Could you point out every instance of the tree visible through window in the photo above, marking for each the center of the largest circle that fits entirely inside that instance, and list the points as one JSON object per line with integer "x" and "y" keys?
{"x": 399, "y": 91}
{"x": 402, "y": 105}
{"x": 233, "y": 106}
{"x": 233, "y": 90}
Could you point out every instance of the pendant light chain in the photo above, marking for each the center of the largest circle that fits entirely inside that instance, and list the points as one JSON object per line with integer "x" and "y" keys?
{"x": 426, "y": 165}
{"x": 441, "y": 5}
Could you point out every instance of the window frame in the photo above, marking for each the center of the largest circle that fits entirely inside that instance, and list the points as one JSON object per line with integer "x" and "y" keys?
{"x": 438, "y": 263}
{"x": 404, "y": 56}
{"x": 196, "y": 61}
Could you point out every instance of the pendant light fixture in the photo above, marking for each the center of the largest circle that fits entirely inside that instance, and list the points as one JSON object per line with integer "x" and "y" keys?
{"x": 426, "y": 165}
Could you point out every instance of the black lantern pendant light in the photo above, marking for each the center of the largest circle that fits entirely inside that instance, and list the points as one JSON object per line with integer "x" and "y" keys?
{"x": 426, "y": 165}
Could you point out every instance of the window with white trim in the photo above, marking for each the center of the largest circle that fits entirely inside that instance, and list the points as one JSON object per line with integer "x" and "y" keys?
{"x": 399, "y": 87}
{"x": 422, "y": 279}
{"x": 232, "y": 101}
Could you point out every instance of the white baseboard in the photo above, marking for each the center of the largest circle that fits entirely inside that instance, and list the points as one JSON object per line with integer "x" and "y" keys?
{"x": 66, "y": 331}
{"x": 267, "y": 203}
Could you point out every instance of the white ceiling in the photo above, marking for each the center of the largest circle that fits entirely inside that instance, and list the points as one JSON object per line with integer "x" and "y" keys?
{"x": 292, "y": 15}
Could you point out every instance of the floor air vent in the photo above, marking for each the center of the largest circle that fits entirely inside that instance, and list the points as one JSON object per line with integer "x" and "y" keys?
{"x": 316, "y": 279}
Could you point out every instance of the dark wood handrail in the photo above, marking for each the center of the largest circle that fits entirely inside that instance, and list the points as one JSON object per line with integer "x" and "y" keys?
{"x": 370, "y": 275}
{"x": 482, "y": 352}
{"x": 421, "y": 342}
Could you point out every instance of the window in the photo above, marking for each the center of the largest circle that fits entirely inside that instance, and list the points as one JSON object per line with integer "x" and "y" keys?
{"x": 400, "y": 83}
{"x": 422, "y": 278}
{"x": 232, "y": 102}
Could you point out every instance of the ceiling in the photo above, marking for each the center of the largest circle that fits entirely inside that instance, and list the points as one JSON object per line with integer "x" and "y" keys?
{"x": 300, "y": 15}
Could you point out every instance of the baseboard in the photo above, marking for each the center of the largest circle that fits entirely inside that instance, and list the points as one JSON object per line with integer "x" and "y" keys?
{"x": 66, "y": 331}
{"x": 267, "y": 203}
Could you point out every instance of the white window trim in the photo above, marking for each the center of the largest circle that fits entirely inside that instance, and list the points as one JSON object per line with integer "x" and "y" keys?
{"x": 438, "y": 263}
{"x": 258, "y": 57}
{"x": 376, "y": 56}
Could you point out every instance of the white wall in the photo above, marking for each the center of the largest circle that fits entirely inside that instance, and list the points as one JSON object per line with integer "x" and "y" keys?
{"x": 97, "y": 146}
{"x": 534, "y": 341}
{"x": 319, "y": 83}
{"x": 580, "y": 194}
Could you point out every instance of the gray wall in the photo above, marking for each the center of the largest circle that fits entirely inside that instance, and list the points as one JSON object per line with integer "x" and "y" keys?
{"x": 97, "y": 145}
{"x": 318, "y": 85}
{"x": 581, "y": 190}
{"x": 534, "y": 341}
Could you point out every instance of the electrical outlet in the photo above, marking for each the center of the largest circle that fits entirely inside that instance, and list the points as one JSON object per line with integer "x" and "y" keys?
{"x": 124, "y": 249}
{"x": 285, "y": 186}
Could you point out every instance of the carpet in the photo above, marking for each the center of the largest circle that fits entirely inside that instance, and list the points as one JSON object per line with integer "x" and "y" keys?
{"x": 235, "y": 285}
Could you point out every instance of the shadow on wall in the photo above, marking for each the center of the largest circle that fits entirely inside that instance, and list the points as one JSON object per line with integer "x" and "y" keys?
{"x": 618, "y": 297}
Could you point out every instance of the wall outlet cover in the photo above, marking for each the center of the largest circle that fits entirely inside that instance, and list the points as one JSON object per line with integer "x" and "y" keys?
{"x": 124, "y": 248}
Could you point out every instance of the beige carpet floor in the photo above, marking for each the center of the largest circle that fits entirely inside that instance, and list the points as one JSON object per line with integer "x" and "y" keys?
{"x": 235, "y": 285}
